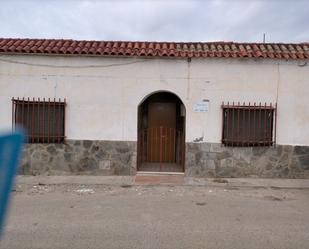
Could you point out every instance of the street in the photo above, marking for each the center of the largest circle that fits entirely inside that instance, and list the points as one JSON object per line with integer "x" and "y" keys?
{"x": 75, "y": 216}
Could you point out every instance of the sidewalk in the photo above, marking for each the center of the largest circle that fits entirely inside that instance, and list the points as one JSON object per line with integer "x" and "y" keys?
{"x": 187, "y": 181}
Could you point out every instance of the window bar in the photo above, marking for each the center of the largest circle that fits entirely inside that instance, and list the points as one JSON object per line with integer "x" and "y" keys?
{"x": 48, "y": 119}
{"x": 139, "y": 149}
{"x": 54, "y": 123}
{"x": 32, "y": 121}
{"x": 144, "y": 148}
{"x": 43, "y": 120}
{"x": 141, "y": 146}
{"x": 58, "y": 121}
{"x": 16, "y": 117}
{"x": 243, "y": 126}
{"x": 233, "y": 124}
{"x": 227, "y": 124}
{"x": 17, "y": 121}
{"x": 155, "y": 142}
{"x": 152, "y": 144}
{"x": 174, "y": 145}
{"x": 160, "y": 148}
{"x": 169, "y": 145}
{"x": 64, "y": 107}
{"x": 178, "y": 148}
{"x": 165, "y": 145}
{"x": 181, "y": 147}
{"x": 144, "y": 158}
{"x": 269, "y": 124}
{"x": 160, "y": 142}
{"x": 147, "y": 144}
{"x": 265, "y": 128}
{"x": 237, "y": 135}
{"x": 260, "y": 123}
{"x": 275, "y": 124}
{"x": 182, "y": 144}
{"x": 254, "y": 124}
{"x": 246, "y": 125}
{"x": 22, "y": 111}
{"x": 28, "y": 120}
{"x": 149, "y": 141}
{"x": 38, "y": 130}
{"x": 13, "y": 127}
{"x": 14, "y": 113}
{"x": 249, "y": 124}
{"x": 223, "y": 123}
{"x": 168, "y": 159}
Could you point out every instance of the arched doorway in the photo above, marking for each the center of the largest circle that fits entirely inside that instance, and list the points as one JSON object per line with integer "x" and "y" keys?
{"x": 161, "y": 133}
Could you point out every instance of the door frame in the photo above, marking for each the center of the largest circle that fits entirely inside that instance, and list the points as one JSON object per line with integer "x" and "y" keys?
{"x": 182, "y": 117}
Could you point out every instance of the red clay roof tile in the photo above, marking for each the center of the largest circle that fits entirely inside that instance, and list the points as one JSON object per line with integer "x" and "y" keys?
{"x": 161, "y": 49}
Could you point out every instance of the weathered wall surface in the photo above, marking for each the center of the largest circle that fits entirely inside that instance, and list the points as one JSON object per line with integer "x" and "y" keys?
{"x": 215, "y": 160}
{"x": 103, "y": 93}
{"x": 78, "y": 157}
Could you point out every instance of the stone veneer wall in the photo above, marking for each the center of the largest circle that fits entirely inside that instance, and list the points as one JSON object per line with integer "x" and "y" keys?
{"x": 78, "y": 157}
{"x": 216, "y": 160}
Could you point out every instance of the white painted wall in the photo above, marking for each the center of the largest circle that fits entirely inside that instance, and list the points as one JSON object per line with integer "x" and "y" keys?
{"x": 103, "y": 93}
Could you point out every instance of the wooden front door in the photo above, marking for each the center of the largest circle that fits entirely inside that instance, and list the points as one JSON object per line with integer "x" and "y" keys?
{"x": 161, "y": 137}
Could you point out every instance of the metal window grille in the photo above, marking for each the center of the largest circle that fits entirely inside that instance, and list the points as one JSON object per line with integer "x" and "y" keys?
{"x": 249, "y": 125}
{"x": 43, "y": 120}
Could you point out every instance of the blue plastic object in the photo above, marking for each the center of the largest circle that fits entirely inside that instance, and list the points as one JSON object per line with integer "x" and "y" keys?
{"x": 10, "y": 150}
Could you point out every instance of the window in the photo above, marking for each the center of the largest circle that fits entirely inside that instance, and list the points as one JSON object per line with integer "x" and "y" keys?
{"x": 248, "y": 125}
{"x": 43, "y": 120}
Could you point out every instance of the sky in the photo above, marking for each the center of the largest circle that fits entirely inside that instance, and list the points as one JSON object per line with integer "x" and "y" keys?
{"x": 157, "y": 20}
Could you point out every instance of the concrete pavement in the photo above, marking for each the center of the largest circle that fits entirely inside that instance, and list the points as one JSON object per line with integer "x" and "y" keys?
{"x": 78, "y": 212}
{"x": 188, "y": 181}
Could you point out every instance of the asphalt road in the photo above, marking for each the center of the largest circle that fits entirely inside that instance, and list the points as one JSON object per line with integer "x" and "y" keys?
{"x": 96, "y": 216}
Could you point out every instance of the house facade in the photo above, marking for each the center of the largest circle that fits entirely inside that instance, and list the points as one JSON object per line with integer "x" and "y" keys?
{"x": 115, "y": 108}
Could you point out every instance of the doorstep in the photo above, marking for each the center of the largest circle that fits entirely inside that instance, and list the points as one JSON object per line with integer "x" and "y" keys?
{"x": 159, "y": 178}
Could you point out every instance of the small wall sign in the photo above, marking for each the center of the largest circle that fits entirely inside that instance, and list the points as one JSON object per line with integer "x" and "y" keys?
{"x": 202, "y": 106}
